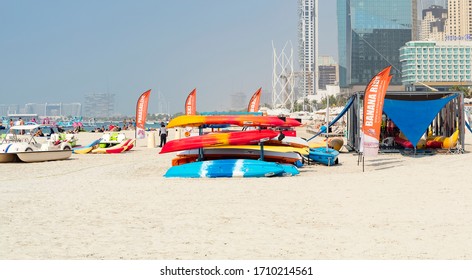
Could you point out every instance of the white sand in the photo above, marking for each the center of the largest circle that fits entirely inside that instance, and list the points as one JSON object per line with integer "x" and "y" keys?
{"x": 120, "y": 206}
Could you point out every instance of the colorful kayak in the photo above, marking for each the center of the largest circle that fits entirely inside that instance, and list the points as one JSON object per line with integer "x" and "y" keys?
{"x": 284, "y": 149}
{"x": 292, "y": 141}
{"x": 291, "y": 122}
{"x": 111, "y": 150}
{"x": 333, "y": 143}
{"x": 405, "y": 143}
{"x": 218, "y": 139}
{"x": 230, "y": 168}
{"x": 125, "y": 143}
{"x": 130, "y": 144}
{"x": 326, "y": 156}
{"x": 239, "y": 120}
{"x": 230, "y": 153}
{"x": 438, "y": 142}
{"x": 86, "y": 149}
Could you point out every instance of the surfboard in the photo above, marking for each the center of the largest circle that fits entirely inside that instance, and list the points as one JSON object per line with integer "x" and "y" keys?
{"x": 217, "y": 139}
{"x": 239, "y": 120}
{"x": 227, "y": 168}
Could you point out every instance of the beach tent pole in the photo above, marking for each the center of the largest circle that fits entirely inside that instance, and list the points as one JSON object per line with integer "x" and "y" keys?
{"x": 262, "y": 150}
{"x": 327, "y": 121}
{"x": 200, "y": 150}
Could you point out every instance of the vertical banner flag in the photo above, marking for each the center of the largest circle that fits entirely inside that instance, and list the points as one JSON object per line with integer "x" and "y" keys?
{"x": 141, "y": 114}
{"x": 373, "y": 106}
{"x": 254, "y": 102}
{"x": 191, "y": 103}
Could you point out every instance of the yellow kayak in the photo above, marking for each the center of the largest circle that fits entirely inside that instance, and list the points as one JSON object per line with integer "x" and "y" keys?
{"x": 451, "y": 141}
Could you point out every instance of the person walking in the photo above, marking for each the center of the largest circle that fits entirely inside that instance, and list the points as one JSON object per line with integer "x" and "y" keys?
{"x": 163, "y": 134}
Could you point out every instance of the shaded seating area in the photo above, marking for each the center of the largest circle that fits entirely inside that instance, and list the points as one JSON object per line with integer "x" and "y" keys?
{"x": 414, "y": 120}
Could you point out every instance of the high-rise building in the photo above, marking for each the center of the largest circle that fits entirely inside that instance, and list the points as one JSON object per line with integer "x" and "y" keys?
{"x": 370, "y": 34}
{"x": 459, "y": 20}
{"x": 436, "y": 62}
{"x": 308, "y": 46}
{"x": 433, "y": 23}
{"x": 99, "y": 105}
{"x": 328, "y": 72}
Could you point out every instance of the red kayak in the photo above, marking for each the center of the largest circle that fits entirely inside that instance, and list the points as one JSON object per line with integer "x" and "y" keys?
{"x": 218, "y": 139}
{"x": 403, "y": 142}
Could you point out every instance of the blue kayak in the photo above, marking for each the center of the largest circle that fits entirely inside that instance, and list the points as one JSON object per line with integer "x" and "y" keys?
{"x": 230, "y": 168}
{"x": 80, "y": 148}
{"x": 326, "y": 156}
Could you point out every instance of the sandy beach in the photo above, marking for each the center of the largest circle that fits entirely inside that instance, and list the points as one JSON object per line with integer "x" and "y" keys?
{"x": 121, "y": 207}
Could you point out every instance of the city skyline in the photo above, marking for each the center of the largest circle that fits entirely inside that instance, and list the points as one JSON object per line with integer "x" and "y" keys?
{"x": 59, "y": 52}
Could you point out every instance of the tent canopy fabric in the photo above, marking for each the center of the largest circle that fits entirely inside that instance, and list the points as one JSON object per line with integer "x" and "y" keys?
{"x": 414, "y": 117}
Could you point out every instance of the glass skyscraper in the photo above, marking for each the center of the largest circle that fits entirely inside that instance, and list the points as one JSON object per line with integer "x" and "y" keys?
{"x": 370, "y": 34}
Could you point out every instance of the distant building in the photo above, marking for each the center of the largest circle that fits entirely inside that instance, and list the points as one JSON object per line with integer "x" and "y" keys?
{"x": 99, "y": 105}
{"x": 36, "y": 108}
{"x": 71, "y": 109}
{"x": 308, "y": 46}
{"x": 370, "y": 34}
{"x": 6, "y": 109}
{"x": 436, "y": 62}
{"x": 54, "y": 109}
{"x": 459, "y": 20}
{"x": 328, "y": 72}
{"x": 239, "y": 101}
{"x": 433, "y": 24}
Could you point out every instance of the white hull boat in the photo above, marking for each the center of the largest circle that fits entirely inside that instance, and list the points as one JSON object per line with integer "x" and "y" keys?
{"x": 39, "y": 156}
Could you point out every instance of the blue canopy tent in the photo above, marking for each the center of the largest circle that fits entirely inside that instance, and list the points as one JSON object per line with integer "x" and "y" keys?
{"x": 414, "y": 117}
{"x": 413, "y": 112}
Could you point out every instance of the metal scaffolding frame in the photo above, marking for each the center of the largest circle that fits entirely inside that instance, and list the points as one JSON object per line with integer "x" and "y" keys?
{"x": 283, "y": 78}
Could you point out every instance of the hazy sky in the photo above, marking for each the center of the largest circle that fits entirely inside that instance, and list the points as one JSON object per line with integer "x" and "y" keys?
{"x": 57, "y": 51}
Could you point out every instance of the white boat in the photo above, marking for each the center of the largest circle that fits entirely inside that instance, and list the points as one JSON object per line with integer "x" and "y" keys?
{"x": 39, "y": 156}
{"x": 21, "y": 139}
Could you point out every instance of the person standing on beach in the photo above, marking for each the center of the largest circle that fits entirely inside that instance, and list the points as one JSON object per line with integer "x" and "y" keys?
{"x": 22, "y": 122}
{"x": 163, "y": 134}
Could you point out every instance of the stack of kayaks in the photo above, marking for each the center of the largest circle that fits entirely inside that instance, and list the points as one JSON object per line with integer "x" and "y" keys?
{"x": 236, "y": 153}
